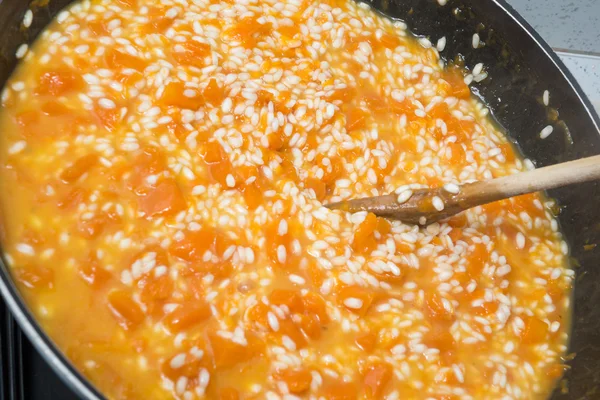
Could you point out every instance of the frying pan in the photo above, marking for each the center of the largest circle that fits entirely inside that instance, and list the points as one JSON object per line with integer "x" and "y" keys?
{"x": 520, "y": 66}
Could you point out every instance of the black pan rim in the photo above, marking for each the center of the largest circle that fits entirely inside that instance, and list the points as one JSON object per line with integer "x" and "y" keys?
{"x": 41, "y": 341}
{"x": 79, "y": 383}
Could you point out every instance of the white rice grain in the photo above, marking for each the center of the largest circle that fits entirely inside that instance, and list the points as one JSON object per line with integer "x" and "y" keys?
{"x": 441, "y": 44}
{"x": 22, "y": 51}
{"x": 452, "y": 188}
{"x": 475, "y": 41}
{"x": 546, "y": 98}
{"x": 404, "y": 196}
{"x": 547, "y": 131}
{"x": 27, "y": 18}
{"x": 354, "y": 303}
{"x": 437, "y": 203}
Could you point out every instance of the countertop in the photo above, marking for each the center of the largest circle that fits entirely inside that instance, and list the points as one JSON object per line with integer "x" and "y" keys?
{"x": 572, "y": 28}
{"x": 565, "y": 24}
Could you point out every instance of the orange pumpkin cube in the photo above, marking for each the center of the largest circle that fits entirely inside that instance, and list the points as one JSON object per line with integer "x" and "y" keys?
{"x": 126, "y": 311}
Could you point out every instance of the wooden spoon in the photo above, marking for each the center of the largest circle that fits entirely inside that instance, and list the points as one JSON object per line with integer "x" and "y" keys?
{"x": 425, "y": 206}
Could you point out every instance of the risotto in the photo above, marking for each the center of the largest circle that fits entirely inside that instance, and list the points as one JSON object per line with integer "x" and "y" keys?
{"x": 164, "y": 166}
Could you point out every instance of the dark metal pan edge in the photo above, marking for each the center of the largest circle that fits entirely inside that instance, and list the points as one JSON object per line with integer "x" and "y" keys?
{"x": 42, "y": 343}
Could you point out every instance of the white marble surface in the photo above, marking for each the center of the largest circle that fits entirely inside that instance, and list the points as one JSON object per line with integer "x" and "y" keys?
{"x": 586, "y": 70}
{"x": 572, "y": 28}
{"x": 564, "y": 24}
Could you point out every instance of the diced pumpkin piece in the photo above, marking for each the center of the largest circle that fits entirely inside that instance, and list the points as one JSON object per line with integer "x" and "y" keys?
{"x": 439, "y": 337}
{"x": 334, "y": 171}
{"x": 59, "y": 83}
{"x": 290, "y": 298}
{"x": 535, "y": 330}
{"x": 108, "y": 118}
{"x": 79, "y": 168}
{"x": 127, "y": 312}
{"x": 318, "y": 186}
{"x": 376, "y": 104}
{"x": 213, "y": 93}
{"x": 340, "y": 390}
{"x": 363, "y": 240}
{"x": 286, "y": 169}
{"x": 117, "y": 60}
{"x": 157, "y": 25}
{"x": 440, "y": 111}
{"x": 227, "y": 353}
{"x": 525, "y": 203}
{"x": 383, "y": 226}
{"x": 130, "y": 79}
{"x": 461, "y": 129}
{"x": 27, "y": 120}
{"x": 456, "y": 82}
{"x": 344, "y": 95}
{"x": 456, "y": 154}
{"x": 229, "y": 394}
{"x": 263, "y": 98}
{"x": 93, "y": 227}
{"x": 311, "y": 326}
{"x": 72, "y": 199}
{"x": 155, "y": 290}
{"x": 193, "y": 245}
{"x": 252, "y": 195}
{"x": 91, "y": 271}
{"x": 314, "y": 304}
{"x": 177, "y": 95}
{"x": 258, "y": 315}
{"x": 376, "y": 377}
{"x": 555, "y": 371}
{"x": 276, "y": 140}
{"x": 212, "y": 153}
{"x": 98, "y": 28}
{"x": 165, "y": 198}
{"x": 390, "y": 41}
{"x": 292, "y": 331}
{"x": 54, "y": 108}
{"x": 456, "y": 233}
{"x": 356, "y": 119}
{"x": 405, "y": 106}
{"x": 219, "y": 270}
{"x": 187, "y": 315}
{"x": 297, "y": 379}
{"x": 35, "y": 277}
{"x": 356, "y": 299}
{"x": 223, "y": 242}
{"x": 191, "y": 365}
{"x": 248, "y": 32}
{"x": 224, "y": 174}
{"x": 288, "y": 31}
{"x": 435, "y": 309}
{"x": 367, "y": 341}
{"x": 151, "y": 160}
{"x": 449, "y": 378}
{"x": 508, "y": 151}
{"x": 487, "y": 308}
{"x": 478, "y": 258}
{"x": 316, "y": 274}
{"x": 32, "y": 237}
{"x": 192, "y": 53}
{"x": 127, "y": 3}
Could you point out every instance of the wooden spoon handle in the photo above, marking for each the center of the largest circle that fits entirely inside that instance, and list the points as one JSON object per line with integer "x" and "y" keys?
{"x": 425, "y": 206}
{"x": 582, "y": 170}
